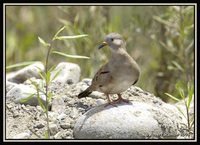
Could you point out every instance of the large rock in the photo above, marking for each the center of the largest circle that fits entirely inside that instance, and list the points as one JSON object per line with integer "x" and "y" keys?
{"x": 69, "y": 73}
{"x": 22, "y": 92}
{"x": 136, "y": 120}
{"x": 25, "y": 73}
{"x": 10, "y": 85}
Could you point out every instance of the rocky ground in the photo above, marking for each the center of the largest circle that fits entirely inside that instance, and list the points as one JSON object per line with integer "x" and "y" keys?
{"x": 28, "y": 120}
{"x": 24, "y": 121}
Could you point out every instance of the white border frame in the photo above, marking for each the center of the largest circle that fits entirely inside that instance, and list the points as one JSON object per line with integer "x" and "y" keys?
{"x": 99, "y": 4}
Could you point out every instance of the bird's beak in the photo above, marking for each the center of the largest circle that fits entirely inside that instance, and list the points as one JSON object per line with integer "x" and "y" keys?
{"x": 102, "y": 45}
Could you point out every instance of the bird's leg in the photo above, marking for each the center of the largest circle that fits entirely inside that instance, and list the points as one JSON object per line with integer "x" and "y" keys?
{"x": 121, "y": 99}
{"x": 109, "y": 101}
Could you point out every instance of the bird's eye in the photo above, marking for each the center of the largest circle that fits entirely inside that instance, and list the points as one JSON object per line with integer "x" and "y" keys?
{"x": 111, "y": 39}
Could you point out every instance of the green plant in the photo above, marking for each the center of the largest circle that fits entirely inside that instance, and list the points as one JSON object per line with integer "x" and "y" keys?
{"x": 46, "y": 75}
{"x": 187, "y": 98}
{"x": 160, "y": 38}
{"x": 176, "y": 42}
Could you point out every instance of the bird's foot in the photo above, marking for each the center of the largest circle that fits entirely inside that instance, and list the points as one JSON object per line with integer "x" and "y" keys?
{"x": 121, "y": 100}
{"x": 111, "y": 103}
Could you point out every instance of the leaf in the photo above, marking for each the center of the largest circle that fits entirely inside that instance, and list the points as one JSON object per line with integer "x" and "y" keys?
{"x": 191, "y": 121}
{"x": 34, "y": 84}
{"x": 70, "y": 37}
{"x": 173, "y": 97}
{"x": 43, "y": 42}
{"x": 190, "y": 94}
{"x": 46, "y": 135}
{"x": 70, "y": 56}
{"x": 27, "y": 98}
{"x": 40, "y": 100}
{"x": 50, "y": 94}
{"x": 39, "y": 68}
{"x": 52, "y": 68}
{"x": 181, "y": 92}
{"x": 41, "y": 103}
{"x": 60, "y": 30}
{"x": 20, "y": 64}
{"x": 42, "y": 76}
{"x": 170, "y": 67}
{"x": 178, "y": 66}
{"x": 178, "y": 85}
{"x": 40, "y": 72}
{"x": 57, "y": 73}
{"x": 34, "y": 133}
{"x": 179, "y": 109}
{"x": 48, "y": 76}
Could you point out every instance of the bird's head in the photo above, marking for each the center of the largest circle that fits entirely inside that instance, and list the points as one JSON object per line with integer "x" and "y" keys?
{"x": 114, "y": 41}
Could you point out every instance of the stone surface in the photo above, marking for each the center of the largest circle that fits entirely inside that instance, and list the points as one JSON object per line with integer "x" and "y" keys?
{"x": 65, "y": 125}
{"x": 21, "y": 118}
{"x": 69, "y": 73}
{"x": 53, "y": 128}
{"x": 9, "y": 85}
{"x": 53, "y": 116}
{"x": 24, "y": 135}
{"x": 58, "y": 135}
{"x": 25, "y": 73}
{"x": 58, "y": 105}
{"x": 21, "y": 92}
{"x": 135, "y": 120}
{"x": 62, "y": 116}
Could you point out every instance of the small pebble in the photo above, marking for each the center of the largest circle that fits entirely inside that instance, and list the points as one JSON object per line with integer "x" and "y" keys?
{"x": 39, "y": 126}
{"x": 53, "y": 129}
{"x": 65, "y": 125}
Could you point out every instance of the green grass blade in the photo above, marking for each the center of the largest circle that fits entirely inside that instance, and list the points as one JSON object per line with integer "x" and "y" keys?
{"x": 191, "y": 121}
{"x": 20, "y": 64}
{"x": 178, "y": 66}
{"x": 190, "y": 94}
{"x": 46, "y": 135}
{"x": 40, "y": 74}
{"x": 181, "y": 92}
{"x": 189, "y": 101}
{"x": 179, "y": 109}
{"x": 179, "y": 88}
{"x": 60, "y": 30}
{"x": 35, "y": 133}
{"x": 43, "y": 42}
{"x": 70, "y": 56}
{"x": 178, "y": 85}
{"x": 48, "y": 76}
{"x": 57, "y": 73}
{"x": 41, "y": 103}
{"x": 70, "y": 37}
{"x": 173, "y": 97}
{"x": 52, "y": 68}
{"x": 39, "y": 68}
{"x": 24, "y": 100}
{"x": 40, "y": 100}
{"x": 50, "y": 94}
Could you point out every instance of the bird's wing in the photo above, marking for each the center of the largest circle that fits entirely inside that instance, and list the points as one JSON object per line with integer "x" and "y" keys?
{"x": 102, "y": 77}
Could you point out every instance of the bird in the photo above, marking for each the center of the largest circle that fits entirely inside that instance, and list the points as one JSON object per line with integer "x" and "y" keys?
{"x": 118, "y": 74}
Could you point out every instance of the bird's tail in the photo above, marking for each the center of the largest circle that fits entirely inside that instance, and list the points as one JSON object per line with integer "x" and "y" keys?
{"x": 85, "y": 93}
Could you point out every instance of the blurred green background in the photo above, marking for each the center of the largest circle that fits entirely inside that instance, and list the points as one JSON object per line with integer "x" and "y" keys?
{"x": 159, "y": 38}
